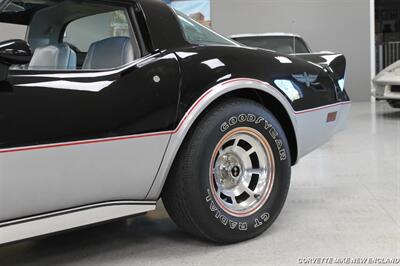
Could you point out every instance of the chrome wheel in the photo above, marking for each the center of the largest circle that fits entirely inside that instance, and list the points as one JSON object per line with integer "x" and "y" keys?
{"x": 242, "y": 172}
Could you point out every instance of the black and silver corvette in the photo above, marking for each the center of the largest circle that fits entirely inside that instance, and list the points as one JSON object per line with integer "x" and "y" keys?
{"x": 109, "y": 105}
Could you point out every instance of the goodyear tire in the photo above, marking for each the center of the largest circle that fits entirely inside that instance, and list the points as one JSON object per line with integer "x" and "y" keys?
{"x": 231, "y": 177}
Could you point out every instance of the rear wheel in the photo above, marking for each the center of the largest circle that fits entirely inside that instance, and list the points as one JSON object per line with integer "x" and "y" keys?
{"x": 394, "y": 103}
{"x": 231, "y": 177}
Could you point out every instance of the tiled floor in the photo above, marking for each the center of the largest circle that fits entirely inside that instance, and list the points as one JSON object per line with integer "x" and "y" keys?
{"x": 344, "y": 202}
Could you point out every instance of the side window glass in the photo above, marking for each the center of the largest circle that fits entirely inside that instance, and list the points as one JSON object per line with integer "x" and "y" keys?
{"x": 12, "y": 31}
{"x": 196, "y": 33}
{"x": 102, "y": 41}
{"x": 97, "y": 41}
{"x": 71, "y": 35}
{"x": 81, "y": 33}
{"x": 9, "y": 28}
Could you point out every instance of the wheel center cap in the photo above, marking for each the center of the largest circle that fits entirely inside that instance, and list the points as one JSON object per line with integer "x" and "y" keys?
{"x": 228, "y": 171}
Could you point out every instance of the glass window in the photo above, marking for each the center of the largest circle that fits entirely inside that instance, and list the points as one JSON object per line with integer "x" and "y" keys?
{"x": 65, "y": 36}
{"x": 281, "y": 44}
{"x": 198, "y": 34}
{"x": 98, "y": 36}
{"x": 13, "y": 21}
{"x": 81, "y": 33}
{"x": 12, "y": 31}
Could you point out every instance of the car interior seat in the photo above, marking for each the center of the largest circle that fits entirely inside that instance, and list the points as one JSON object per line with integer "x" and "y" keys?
{"x": 109, "y": 53}
{"x": 55, "y": 56}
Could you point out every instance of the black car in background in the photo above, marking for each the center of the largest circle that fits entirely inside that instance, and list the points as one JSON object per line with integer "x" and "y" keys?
{"x": 285, "y": 43}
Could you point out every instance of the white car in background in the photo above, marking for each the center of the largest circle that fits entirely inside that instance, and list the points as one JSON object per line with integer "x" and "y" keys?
{"x": 386, "y": 85}
{"x": 285, "y": 43}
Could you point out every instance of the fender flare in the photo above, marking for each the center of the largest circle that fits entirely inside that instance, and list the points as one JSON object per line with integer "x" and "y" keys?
{"x": 179, "y": 134}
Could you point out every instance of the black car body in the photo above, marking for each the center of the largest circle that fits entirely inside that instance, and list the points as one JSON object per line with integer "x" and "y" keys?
{"x": 94, "y": 137}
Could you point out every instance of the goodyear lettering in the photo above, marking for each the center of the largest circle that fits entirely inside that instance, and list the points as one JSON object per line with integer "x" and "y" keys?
{"x": 251, "y": 118}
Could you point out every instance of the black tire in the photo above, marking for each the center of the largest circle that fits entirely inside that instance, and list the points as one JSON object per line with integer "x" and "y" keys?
{"x": 394, "y": 103}
{"x": 186, "y": 194}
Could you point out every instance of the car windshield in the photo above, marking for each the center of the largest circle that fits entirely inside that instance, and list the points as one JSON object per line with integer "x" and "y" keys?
{"x": 281, "y": 44}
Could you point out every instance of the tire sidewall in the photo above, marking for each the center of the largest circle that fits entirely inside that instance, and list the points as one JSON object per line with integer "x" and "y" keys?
{"x": 221, "y": 226}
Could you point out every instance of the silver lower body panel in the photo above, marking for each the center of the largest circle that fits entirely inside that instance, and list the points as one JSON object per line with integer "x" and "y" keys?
{"x": 70, "y": 218}
{"x": 314, "y": 129}
{"x": 45, "y": 179}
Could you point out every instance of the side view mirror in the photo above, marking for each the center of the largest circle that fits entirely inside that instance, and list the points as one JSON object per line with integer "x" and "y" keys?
{"x": 15, "y": 52}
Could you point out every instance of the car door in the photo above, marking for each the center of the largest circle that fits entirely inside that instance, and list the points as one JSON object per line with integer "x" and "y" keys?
{"x": 69, "y": 138}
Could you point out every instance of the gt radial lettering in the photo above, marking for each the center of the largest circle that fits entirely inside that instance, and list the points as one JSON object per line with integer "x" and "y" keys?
{"x": 263, "y": 218}
{"x": 222, "y": 218}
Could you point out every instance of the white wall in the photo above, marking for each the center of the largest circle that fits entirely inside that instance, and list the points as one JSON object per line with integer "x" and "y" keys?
{"x": 334, "y": 25}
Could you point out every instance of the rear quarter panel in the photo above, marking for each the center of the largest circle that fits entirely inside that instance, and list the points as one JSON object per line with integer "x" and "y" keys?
{"x": 204, "y": 67}
{"x": 210, "y": 72}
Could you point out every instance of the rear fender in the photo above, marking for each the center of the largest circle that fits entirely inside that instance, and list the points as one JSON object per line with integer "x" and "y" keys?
{"x": 336, "y": 66}
{"x": 197, "y": 109}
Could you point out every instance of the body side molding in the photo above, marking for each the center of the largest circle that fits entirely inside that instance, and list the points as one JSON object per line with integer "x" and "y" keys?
{"x": 49, "y": 223}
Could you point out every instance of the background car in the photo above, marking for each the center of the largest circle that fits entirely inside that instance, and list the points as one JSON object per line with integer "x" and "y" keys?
{"x": 285, "y": 43}
{"x": 386, "y": 85}
{"x": 116, "y": 104}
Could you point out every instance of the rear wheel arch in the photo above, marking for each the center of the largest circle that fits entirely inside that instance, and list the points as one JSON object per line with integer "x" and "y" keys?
{"x": 257, "y": 94}
{"x": 273, "y": 105}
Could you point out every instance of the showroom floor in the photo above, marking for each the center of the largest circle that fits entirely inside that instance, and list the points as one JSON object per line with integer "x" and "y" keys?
{"x": 344, "y": 202}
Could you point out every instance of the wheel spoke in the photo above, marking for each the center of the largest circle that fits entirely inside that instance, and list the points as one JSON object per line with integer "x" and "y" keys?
{"x": 235, "y": 144}
{"x": 234, "y": 170}
{"x": 246, "y": 189}
{"x": 234, "y": 202}
{"x": 249, "y": 152}
{"x": 258, "y": 172}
